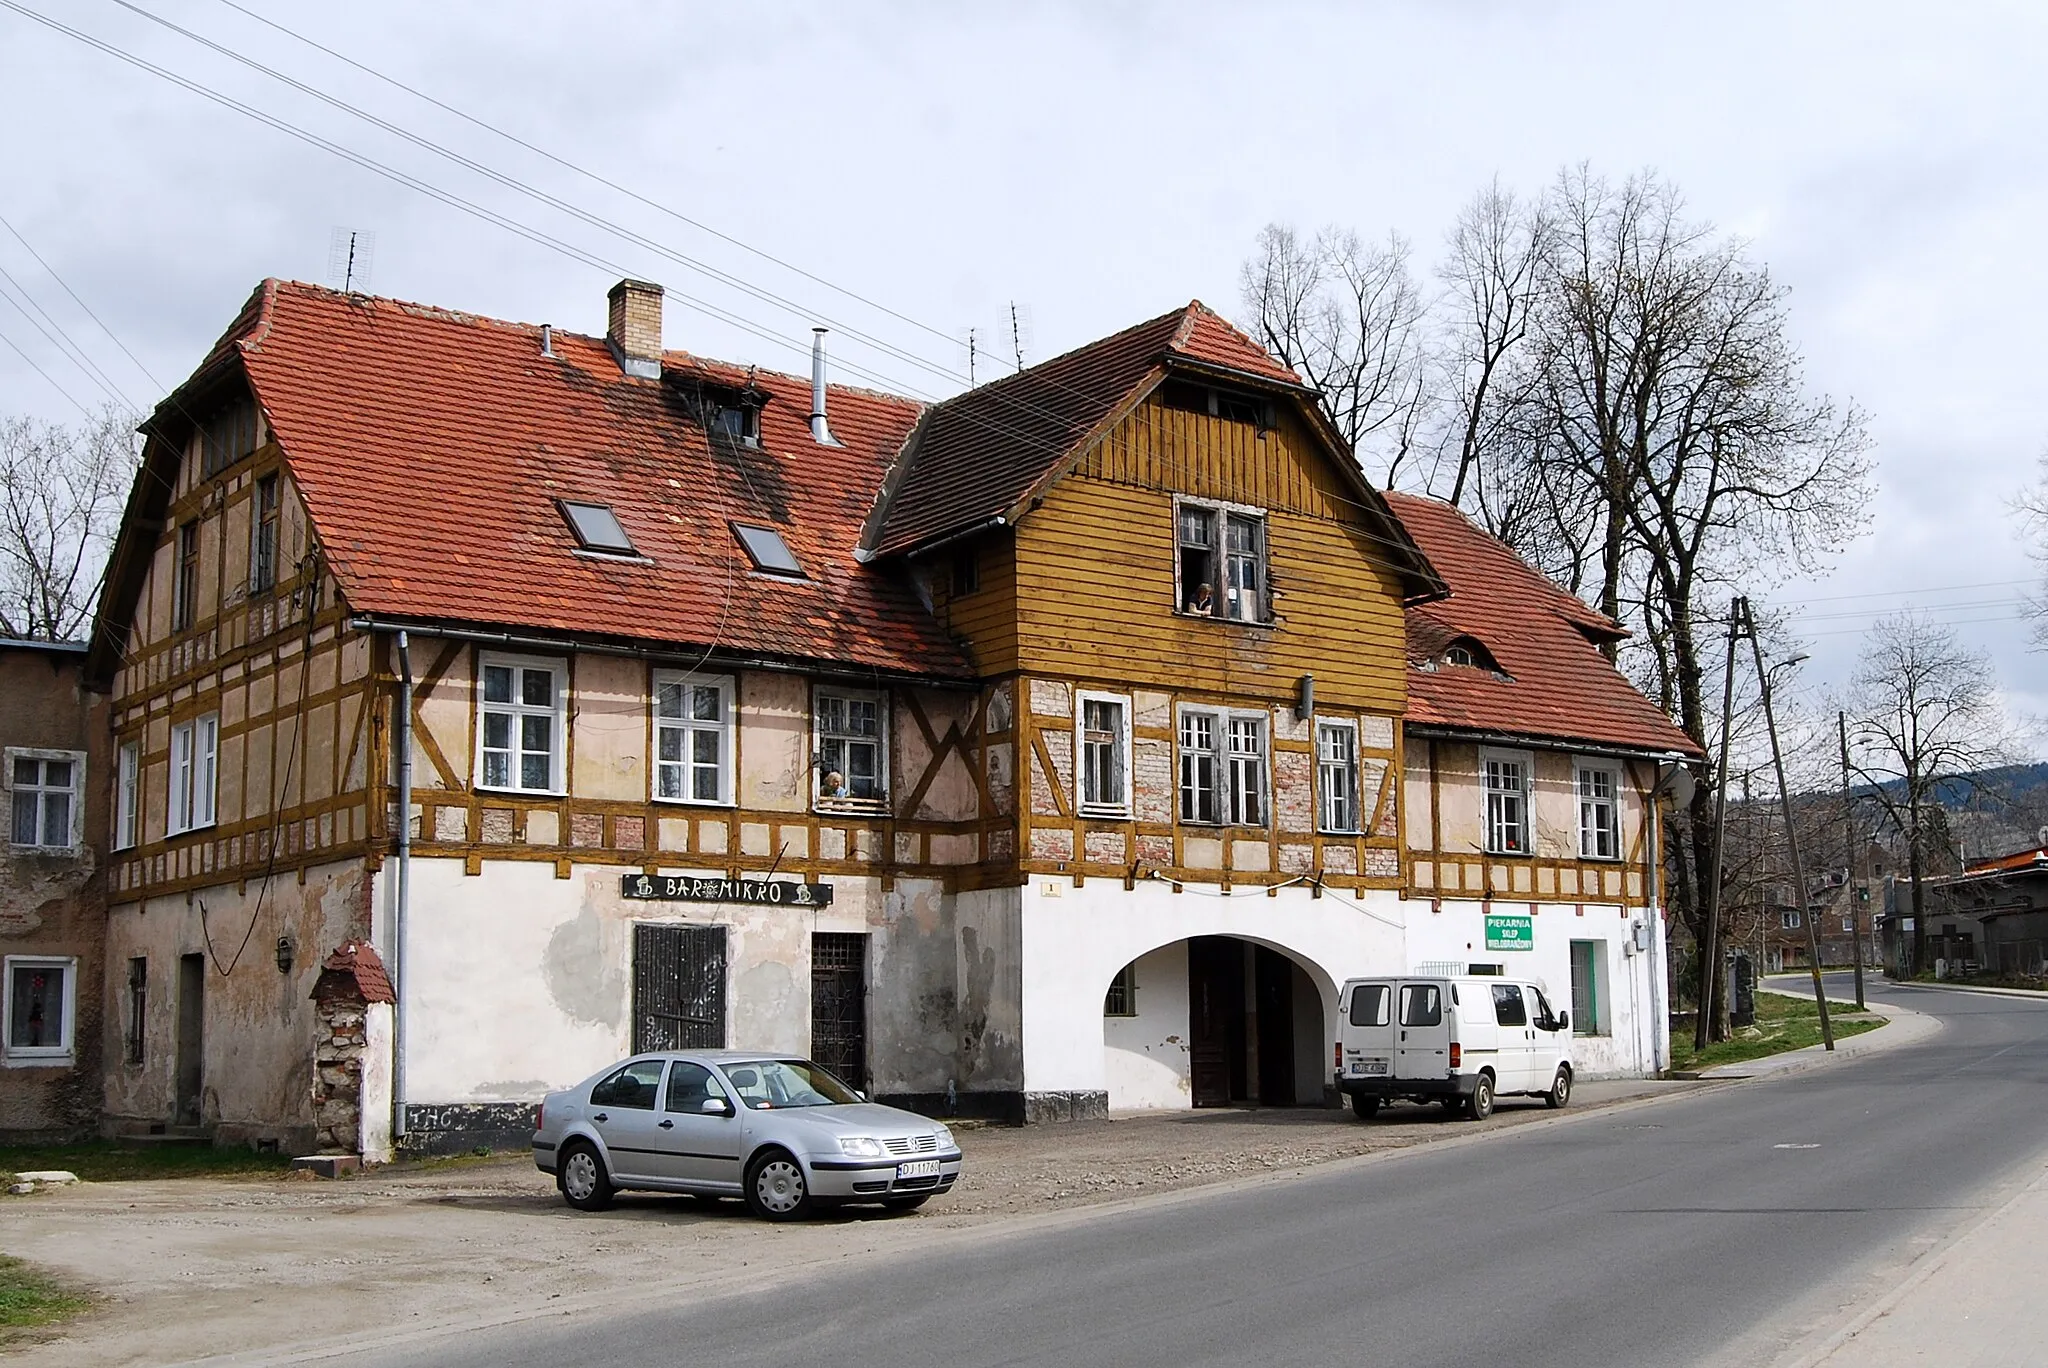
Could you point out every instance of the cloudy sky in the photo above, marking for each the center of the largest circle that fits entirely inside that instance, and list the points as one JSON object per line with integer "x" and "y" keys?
{"x": 908, "y": 172}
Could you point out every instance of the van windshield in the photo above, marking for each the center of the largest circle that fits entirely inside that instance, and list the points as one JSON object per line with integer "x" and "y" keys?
{"x": 1369, "y": 1004}
{"x": 1422, "y": 1004}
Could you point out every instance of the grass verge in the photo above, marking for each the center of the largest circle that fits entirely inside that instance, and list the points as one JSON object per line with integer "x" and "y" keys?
{"x": 31, "y": 1299}
{"x": 103, "y": 1161}
{"x": 1782, "y": 1023}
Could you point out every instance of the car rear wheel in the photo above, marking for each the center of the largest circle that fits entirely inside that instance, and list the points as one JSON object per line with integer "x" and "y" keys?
{"x": 584, "y": 1183}
{"x": 776, "y": 1188}
{"x": 895, "y": 1204}
{"x": 1481, "y": 1105}
{"x": 1560, "y": 1089}
{"x": 1363, "y": 1107}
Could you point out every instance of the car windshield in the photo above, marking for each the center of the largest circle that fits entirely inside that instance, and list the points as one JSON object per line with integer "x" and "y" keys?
{"x": 764, "y": 1084}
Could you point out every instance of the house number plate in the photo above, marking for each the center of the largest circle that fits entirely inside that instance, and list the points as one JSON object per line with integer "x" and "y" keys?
{"x": 686, "y": 888}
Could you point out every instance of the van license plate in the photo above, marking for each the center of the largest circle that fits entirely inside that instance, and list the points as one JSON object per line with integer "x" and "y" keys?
{"x": 1369, "y": 1066}
{"x": 918, "y": 1168}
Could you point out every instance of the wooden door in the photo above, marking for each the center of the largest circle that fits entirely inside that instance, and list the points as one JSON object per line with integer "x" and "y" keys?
{"x": 678, "y": 987}
{"x": 1216, "y": 1063}
{"x": 1274, "y": 976}
{"x": 839, "y": 1004}
{"x": 191, "y": 1039}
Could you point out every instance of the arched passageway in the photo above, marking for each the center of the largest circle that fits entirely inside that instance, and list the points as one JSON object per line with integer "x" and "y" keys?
{"x": 1215, "y": 1021}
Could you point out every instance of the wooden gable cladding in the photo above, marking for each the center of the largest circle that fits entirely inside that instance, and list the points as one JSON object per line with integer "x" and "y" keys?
{"x": 1151, "y": 842}
{"x": 973, "y": 588}
{"x": 1095, "y": 593}
{"x": 1445, "y": 851}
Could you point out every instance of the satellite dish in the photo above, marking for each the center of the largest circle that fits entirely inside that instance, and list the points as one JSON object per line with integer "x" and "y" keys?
{"x": 1675, "y": 781}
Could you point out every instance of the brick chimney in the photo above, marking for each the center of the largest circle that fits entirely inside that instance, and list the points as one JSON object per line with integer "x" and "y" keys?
{"x": 633, "y": 327}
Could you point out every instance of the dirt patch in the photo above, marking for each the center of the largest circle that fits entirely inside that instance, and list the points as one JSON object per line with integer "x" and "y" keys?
{"x": 198, "y": 1267}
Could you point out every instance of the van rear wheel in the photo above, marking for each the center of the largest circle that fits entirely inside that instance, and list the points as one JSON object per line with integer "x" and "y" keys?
{"x": 1560, "y": 1089}
{"x": 1363, "y": 1107}
{"x": 1481, "y": 1105}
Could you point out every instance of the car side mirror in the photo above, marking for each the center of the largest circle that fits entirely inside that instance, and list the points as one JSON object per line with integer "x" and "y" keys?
{"x": 859, "y": 1096}
{"x": 1564, "y": 1021}
{"x": 716, "y": 1106}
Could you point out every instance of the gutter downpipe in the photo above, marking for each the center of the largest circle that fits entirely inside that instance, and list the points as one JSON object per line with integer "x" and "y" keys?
{"x": 401, "y": 960}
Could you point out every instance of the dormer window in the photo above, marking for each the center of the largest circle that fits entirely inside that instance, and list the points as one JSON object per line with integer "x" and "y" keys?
{"x": 739, "y": 421}
{"x": 768, "y": 551}
{"x": 1469, "y": 653}
{"x": 597, "y": 528}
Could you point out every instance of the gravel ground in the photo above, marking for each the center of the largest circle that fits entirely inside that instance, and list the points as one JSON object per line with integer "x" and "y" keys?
{"x": 268, "y": 1268}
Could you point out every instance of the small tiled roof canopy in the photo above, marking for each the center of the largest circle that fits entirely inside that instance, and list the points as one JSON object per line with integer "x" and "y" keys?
{"x": 354, "y": 970}
{"x": 1552, "y": 681}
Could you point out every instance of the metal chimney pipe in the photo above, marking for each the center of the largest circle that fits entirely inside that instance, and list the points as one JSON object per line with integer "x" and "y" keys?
{"x": 821, "y": 433}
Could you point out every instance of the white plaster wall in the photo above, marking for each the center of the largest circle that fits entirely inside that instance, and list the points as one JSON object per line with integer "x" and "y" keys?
{"x": 1635, "y": 1028}
{"x": 1076, "y": 938}
{"x": 518, "y": 982}
{"x": 373, "y": 1130}
{"x": 1145, "y": 1057}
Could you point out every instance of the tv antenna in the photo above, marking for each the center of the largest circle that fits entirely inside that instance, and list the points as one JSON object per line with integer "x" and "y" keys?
{"x": 350, "y": 254}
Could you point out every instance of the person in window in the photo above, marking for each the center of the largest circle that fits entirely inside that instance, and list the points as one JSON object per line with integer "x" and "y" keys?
{"x": 835, "y": 784}
{"x": 1204, "y": 600}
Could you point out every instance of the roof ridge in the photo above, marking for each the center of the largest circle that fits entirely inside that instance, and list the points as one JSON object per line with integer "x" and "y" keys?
{"x": 1035, "y": 369}
{"x": 1561, "y": 594}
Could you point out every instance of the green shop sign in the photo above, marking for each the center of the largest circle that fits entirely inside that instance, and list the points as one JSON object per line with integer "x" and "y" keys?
{"x": 1510, "y": 933}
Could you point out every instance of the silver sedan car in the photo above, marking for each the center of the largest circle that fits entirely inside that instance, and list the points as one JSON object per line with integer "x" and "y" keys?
{"x": 782, "y": 1133}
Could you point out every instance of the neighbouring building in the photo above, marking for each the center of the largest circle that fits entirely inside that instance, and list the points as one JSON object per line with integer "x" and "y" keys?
{"x": 1990, "y": 918}
{"x": 52, "y": 912}
{"x": 1059, "y": 747}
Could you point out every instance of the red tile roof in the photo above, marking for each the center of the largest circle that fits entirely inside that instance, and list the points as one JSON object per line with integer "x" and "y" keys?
{"x": 356, "y": 964}
{"x": 429, "y": 447}
{"x": 980, "y": 455}
{"x": 1558, "y": 686}
{"x": 2006, "y": 864}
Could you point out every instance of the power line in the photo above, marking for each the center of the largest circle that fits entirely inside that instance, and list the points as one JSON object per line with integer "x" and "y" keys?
{"x": 154, "y": 382}
{"x": 63, "y": 341}
{"x": 46, "y": 375}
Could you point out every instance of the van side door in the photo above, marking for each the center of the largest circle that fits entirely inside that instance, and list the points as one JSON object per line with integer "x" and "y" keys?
{"x": 1422, "y": 1031}
{"x": 1517, "y": 1039}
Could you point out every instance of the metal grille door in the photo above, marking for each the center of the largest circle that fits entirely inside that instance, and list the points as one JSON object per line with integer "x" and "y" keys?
{"x": 839, "y": 1004}
{"x": 678, "y": 987}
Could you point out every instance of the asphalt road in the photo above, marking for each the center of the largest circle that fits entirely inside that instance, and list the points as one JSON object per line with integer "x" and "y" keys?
{"x": 1711, "y": 1227}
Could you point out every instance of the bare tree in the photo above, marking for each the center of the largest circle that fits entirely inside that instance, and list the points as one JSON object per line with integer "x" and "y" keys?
{"x": 1492, "y": 272}
{"x": 2031, "y": 507}
{"x": 1346, "y": 316}
{"x": 1924, "y": 714}
{"x": 61, "y": 494}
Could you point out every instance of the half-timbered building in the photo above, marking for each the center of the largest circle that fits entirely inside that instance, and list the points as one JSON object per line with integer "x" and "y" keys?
{"x": 1059, "y": 747}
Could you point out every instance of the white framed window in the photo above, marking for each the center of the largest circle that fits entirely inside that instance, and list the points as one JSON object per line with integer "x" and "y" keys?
{"x": 1599, "y": 789}
{"x": 128, "y": 795}
{"x": 45, "y": 788}
{"x": 40, "y": 1006}
{"x": 522, "y": 716}
{"x": 1337, "y": 797}
{"x": 695, "y": 734}
{"x": 1222, "y": 767}
{"x": 852, "y": 748}
{"x": 1103, "y": 726}
{"x": 1220, "y": 565}
{"x": 1788, "y": 919}
{"x": 1504, "y": 776}
{"x": 195, "y": 772}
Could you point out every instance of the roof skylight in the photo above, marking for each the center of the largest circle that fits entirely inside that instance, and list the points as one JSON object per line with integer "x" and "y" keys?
{"x": 597, "y": 528}
{"x": 766, "y": 548}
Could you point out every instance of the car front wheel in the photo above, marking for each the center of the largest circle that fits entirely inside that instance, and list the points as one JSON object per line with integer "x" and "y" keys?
{"x": 1560, "y": 1089}
{"x": 584, "y": 1183}
{"x": 776, "y": 1188}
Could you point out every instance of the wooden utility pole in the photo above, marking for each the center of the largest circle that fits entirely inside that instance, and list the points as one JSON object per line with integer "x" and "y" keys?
{"x": 1851, "y": 851}
{"x": 1710, "y": 953}
{"x": 1820, "y": 997}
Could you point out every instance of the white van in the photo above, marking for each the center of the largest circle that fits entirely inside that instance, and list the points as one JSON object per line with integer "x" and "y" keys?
{"x": 1458, "y": 1041}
